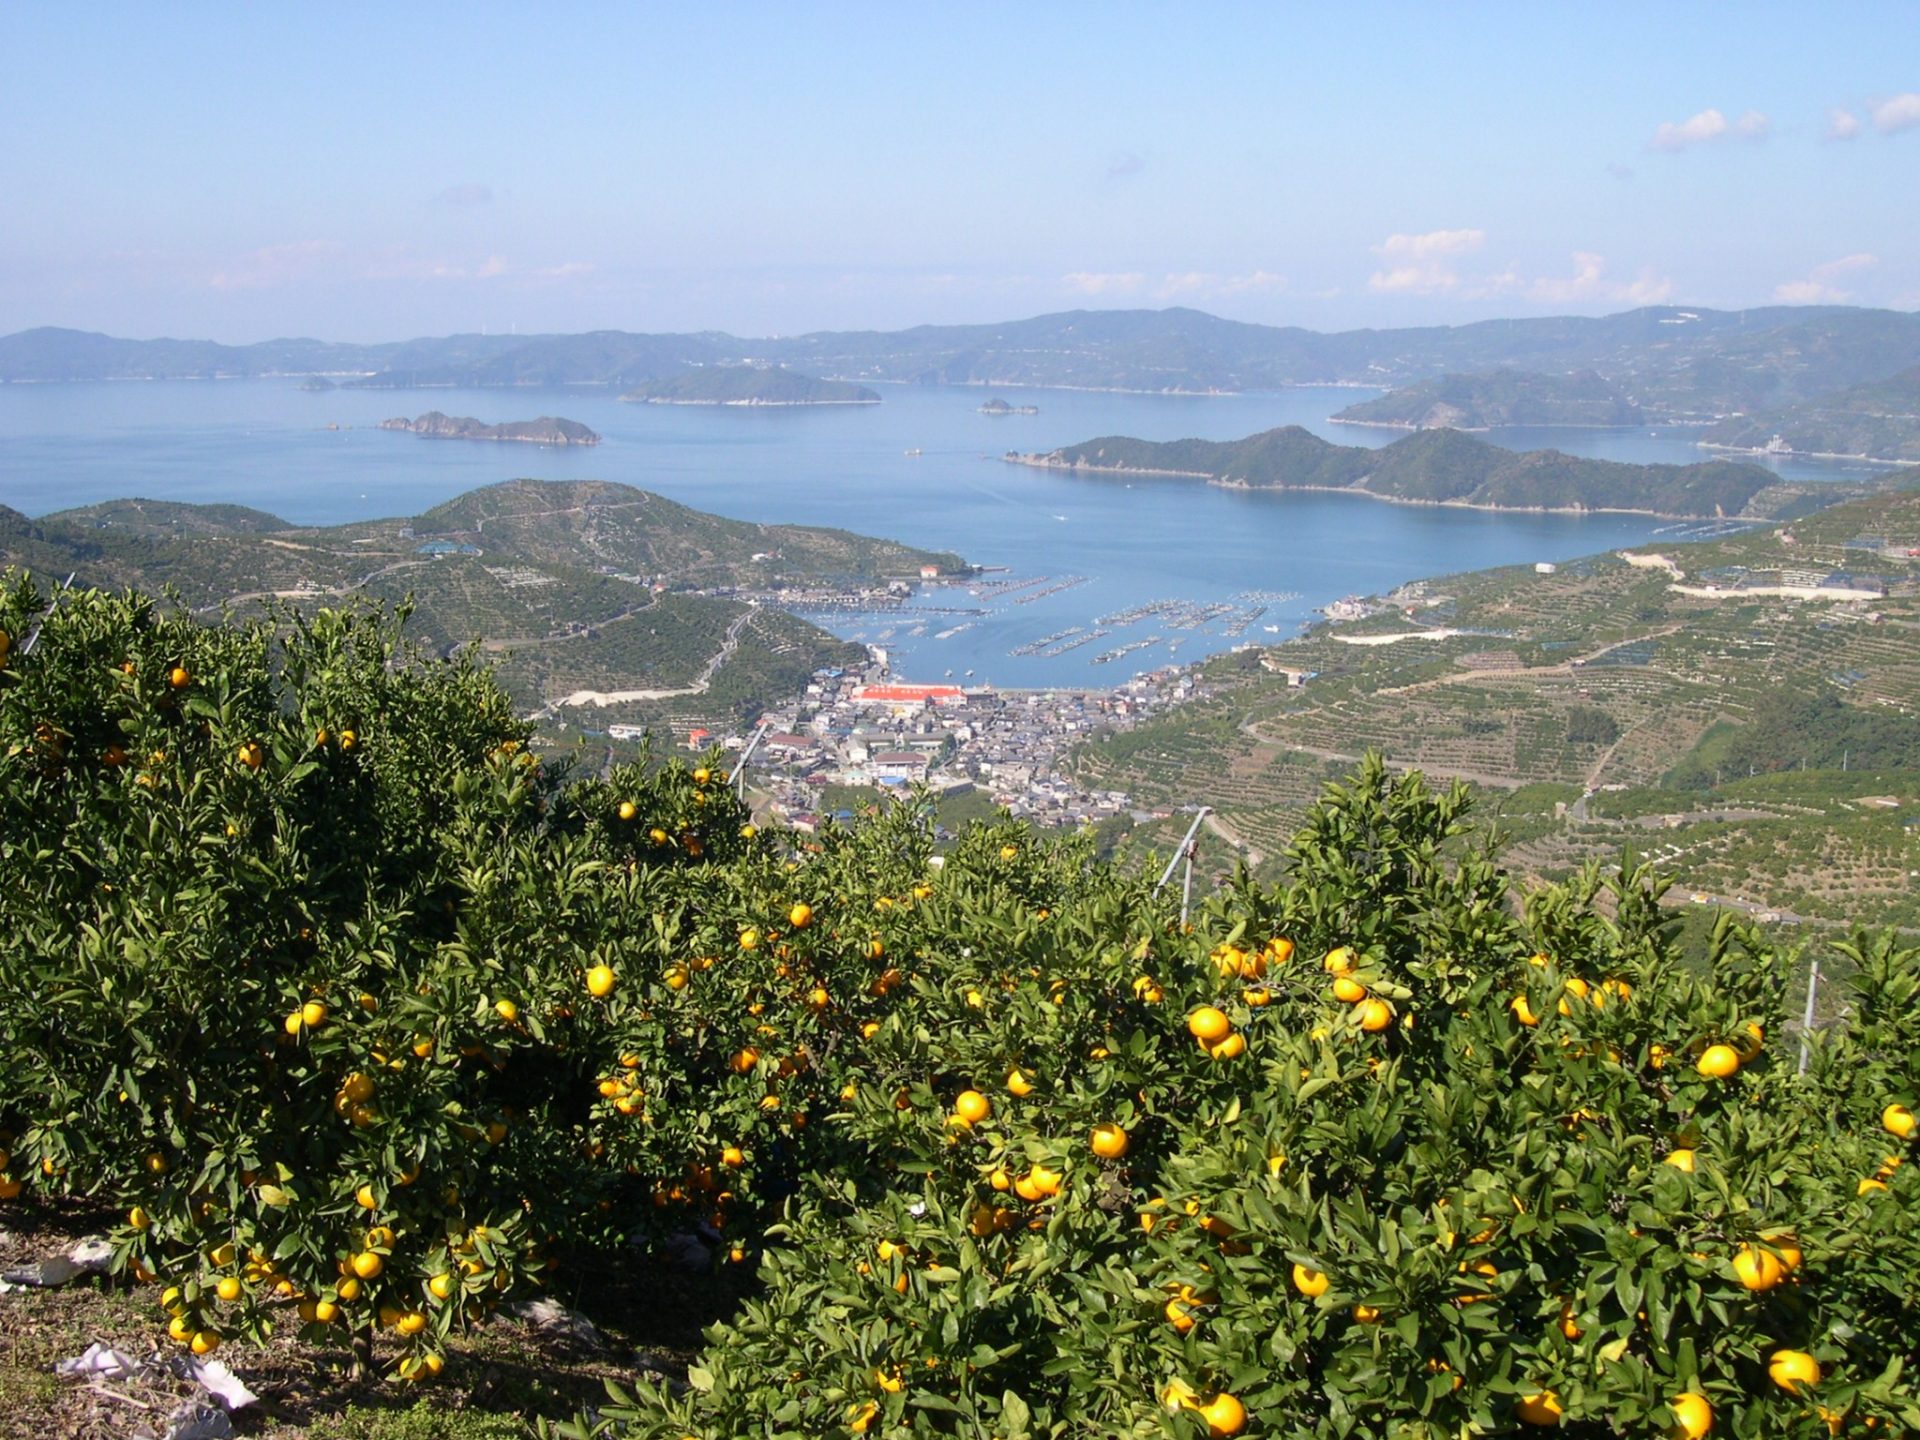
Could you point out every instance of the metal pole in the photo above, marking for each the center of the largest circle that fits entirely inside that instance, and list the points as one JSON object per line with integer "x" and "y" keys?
{"x": 52, "y": 605}
{"x": 1185, "y": 852}
{"x": 738, "y": 778}
{"x": 1806, "y": 1020}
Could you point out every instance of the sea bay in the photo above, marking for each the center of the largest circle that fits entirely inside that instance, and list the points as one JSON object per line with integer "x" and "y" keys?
{"x": 318, "y": 458}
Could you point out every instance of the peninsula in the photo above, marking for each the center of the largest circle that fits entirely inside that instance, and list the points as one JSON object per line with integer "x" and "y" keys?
{"x": 547, "y": 430}
{"x": 1442, "y": 467}
{"x": 1492, "y": 398}
{"x": 749, "y": 385}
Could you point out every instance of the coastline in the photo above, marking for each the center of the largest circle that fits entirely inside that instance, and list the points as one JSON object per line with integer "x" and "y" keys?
{"x": 1038, "y": 462}
{"x": 1762, "y": 454}
{"x": 744, "y": 404}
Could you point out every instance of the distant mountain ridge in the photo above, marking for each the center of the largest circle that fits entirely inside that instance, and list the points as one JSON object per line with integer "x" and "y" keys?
{"x": 1490, "y": 399}
{"x": 547, "y": 430}
{"x": 749, "y": 385}
{"x": 1683, "y": 363}
{"x": 1433, "y": 467}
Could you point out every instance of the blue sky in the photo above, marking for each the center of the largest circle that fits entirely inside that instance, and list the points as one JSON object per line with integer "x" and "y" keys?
{"x": 244, "y": 172}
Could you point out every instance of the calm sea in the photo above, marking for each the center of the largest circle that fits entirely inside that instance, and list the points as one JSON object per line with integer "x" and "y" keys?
{"x": 269, "y": 444}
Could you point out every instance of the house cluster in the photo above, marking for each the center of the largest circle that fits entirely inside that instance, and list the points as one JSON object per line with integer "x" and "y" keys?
{"x": 860, "y": 728}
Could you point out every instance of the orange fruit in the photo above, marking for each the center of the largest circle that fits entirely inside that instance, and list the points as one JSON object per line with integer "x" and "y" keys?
{"x": 1692, "y": 1417}
{"x": 1540, "y": 1409}
{"x": 1349, "y": 990}
{"x": 1309, "y": 1282}
{"x": 1375, "y": 1016}
{"x": 1224, "y": 1415}
{"x": 1758, "y": 1269}
{"x": 1682, "y": 1159}
{"x": 1899, "y": 1120}
{"x": 971, "y": 1107}
{"x": 1791, "y": 1369}
{"x": 1718, "y": 1062}
{"x": 1208, "y": 1025}
{"x": 600, "y": 981}
{"x": 1109, "y": 1141}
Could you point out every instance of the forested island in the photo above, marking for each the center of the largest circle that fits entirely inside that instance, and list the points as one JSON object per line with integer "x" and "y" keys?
{"x": 749, "y": 385}
{"x": 1436, "y": 467}
{"x": 547, "y": 430}
{"x": 1494, "y": 398}
{"x": 998, "y": 406}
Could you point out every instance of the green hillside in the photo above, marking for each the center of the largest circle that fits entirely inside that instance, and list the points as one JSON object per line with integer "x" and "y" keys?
{"x": 570, "y": 586}
{"x": 1498, "y": 397}
{"x": 1880, "y": 421}
{"x": 1761, "y": 745}
{"x": 1442, "y": 467}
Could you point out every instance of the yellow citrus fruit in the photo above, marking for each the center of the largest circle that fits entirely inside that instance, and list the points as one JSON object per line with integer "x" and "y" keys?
{"x": 1758, "y": 1269}
{"x": 1224, "y": 1415}
{"x": 600, "y": 981}
{"x": 1899, "y": 1120}
{"x": 368, "y": 1265}
{"x": 1208, "y": 1025}
{"x": 1310, "y": 1283}
{"x": 971, "y": 1107}
{"x": 1179, "y": 1313}
{"x": 800, "y": 916}
{"x": 365, "y": 1198}
{"x": 1540, "y": 1409}
{"x": 506, "y": 1010}
{"x": 1692, "y": 1417}
{"x": 1349, "y": 990}
{"x": 179, "y": 677}
{"x": 1681, "y": 1159}
{"x": 1109, "y": 1141}
{"x": 1339, "y": 961}
{"x": 1522, "y": 1009}
{"x": 229, "y": 1288}
{"x": 1375, "y": 1016}
{"x": 204, "y": 1342}
{"x": 1366, "y": 1315}
{"x": 1234, "y": 1045}
{"x": 1717, "y": 1062}
{"x": 1791, "y": 1369}
{"x": 138, "y": 1218}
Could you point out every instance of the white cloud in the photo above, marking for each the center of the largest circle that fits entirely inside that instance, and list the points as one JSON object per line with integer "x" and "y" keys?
{"x": 1820, "y": 287}
{"x": 274, "y": 265}
{"x": 1842, "y": 124}
{"x": 1432, "y": 243}
{"x": 1589, "y": 282}
{"x": 1710, "y": 125}
{"x": 496, "y": 265}
{"x": 566, "y": 270}
{"x": 1899, "y": 112}
{"x": 1421, "y": 264}
{"x": 1088, "y": 282}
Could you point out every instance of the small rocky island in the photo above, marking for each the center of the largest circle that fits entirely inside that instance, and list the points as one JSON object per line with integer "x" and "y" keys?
{"x": 748, "y": 385}
{"x": 547, "y": 430}
{"x": 997, "y": 406}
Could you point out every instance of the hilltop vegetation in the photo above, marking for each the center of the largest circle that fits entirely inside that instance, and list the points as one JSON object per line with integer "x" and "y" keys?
{"x": 547, "y": 430}
{"x": 363, "y": 1019}
{"x": 749, "y": 385}
{"x": 569, "y": 584}
{"x": 1763, "y": 747}
{"x": 1438, "y": 467}
{"x": 1880, "y": 421}
{"x": 1683, "y": 363}
{"x": 1498, "y": 397}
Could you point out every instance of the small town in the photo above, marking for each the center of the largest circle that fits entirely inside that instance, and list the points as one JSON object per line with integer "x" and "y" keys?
{"x": 863, "y": 728}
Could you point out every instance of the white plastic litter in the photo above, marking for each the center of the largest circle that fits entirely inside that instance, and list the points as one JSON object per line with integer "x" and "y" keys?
{"x": 102, "y": 1360}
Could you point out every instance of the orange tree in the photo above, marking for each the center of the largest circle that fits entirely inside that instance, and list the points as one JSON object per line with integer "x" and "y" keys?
{"x": 298, "y": 943}
{"x": 1370, "y": 1153}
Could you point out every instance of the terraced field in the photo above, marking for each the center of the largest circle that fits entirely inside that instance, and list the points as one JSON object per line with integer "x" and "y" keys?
{"x": 1599, "y": 707}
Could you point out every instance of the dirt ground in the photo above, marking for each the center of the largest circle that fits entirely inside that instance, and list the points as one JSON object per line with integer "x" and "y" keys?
{"x": 649, "y": 1315}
